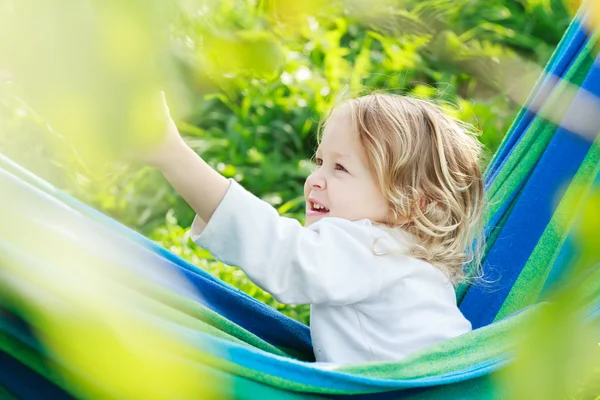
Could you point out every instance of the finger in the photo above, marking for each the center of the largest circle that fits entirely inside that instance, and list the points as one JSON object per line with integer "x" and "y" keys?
{"x": 164, "y": 102}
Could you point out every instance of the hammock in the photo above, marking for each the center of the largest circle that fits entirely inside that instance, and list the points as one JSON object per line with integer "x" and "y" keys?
{"x": 232, "y": 346}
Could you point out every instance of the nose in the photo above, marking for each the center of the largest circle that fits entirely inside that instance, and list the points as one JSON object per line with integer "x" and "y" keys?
{"x": 316, "y": 180}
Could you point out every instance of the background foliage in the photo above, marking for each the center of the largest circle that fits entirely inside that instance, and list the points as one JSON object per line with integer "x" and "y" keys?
{"x": 258, "y": 76}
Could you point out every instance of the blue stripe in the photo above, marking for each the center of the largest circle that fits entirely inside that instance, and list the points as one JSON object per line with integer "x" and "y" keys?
{"x": 26, "y": 384}
{"x": 231, "y": 303}
{"x": 306, "y": 373}
{"x": 523, "y": 228}
{"x": 295, "y": 371}
{"x": 594, "y": 312}
{"x": 565, "y": 261}
{"x": 20, "y": 380}
{"x": 283, "y": 368}
{"x": 531, "y": 215}
{"x": 570, "y": 46}
{"x": 515, "y": 243}
{"x": 30, "y": 385}
{"x": 266, "y": 363}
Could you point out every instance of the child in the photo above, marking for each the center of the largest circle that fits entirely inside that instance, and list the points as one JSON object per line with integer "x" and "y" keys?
{"x": 390, "y": 210}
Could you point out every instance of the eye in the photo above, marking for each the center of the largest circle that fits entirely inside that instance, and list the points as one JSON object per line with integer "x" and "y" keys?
{"x": 340, "y": 167}
{"x": 318, "y": 162}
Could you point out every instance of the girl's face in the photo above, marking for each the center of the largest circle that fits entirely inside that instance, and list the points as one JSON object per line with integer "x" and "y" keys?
{"x": 342, "y": 185}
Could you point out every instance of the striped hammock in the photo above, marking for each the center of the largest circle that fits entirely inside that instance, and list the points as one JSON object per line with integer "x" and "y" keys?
{"x": 91, "y": 309}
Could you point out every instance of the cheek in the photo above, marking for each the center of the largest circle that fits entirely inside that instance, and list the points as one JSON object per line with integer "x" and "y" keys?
{"x": 377, "y": 202}
{"x": 383, "y": 207}
{"x": 354, "y": 200}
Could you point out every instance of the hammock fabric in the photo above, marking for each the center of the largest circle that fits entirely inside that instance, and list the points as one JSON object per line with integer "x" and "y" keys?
{"x": 537, "y": 183}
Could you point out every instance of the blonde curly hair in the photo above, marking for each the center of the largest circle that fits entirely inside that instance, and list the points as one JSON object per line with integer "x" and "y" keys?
{"x": 427, "y": 165}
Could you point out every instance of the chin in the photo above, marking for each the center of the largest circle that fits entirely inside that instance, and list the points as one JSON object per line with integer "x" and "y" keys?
{"x": 311, "y": 219}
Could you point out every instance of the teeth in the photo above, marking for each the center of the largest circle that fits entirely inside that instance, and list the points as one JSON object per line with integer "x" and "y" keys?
{"x": 318, "y": 206}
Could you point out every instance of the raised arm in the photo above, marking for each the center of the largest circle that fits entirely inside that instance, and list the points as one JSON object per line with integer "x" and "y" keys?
{"x": 330, "y": 262}
{"x": 197, "y": 182}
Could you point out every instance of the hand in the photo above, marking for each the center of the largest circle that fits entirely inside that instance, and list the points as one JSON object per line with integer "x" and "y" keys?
{"x": 198, "y": 183}
{"x": 171, "y": 144}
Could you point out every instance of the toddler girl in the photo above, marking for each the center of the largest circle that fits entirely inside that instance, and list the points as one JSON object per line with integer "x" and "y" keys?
{"x": 391, "y": 209}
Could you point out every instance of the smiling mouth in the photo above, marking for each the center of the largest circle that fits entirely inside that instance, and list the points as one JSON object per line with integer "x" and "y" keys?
{"x": 316, "y": 209}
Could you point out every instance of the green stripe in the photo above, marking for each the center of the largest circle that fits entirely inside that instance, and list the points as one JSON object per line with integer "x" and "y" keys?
{"x": 532, "y": 279}
{"x": 206, "y": 320}
{"x": 558, "y": 52}
{"x": 589, "y": 290}
{"x": 40, "y": 365}
{"x": 483, "y": 388}
{"x": 522, "y": 159}
{"x": 529, "y": 149}
{"x": 459, "y": 353}
{"x": 6, "y": 395}
{"x": 228, "y": 386}
{"x": 192, "y": 314}
{"x": 453, "y": 355}
{"x": 150, "y": 297}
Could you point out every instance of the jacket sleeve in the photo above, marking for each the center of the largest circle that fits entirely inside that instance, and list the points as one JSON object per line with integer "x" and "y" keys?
{"x": 330, "y": 262}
